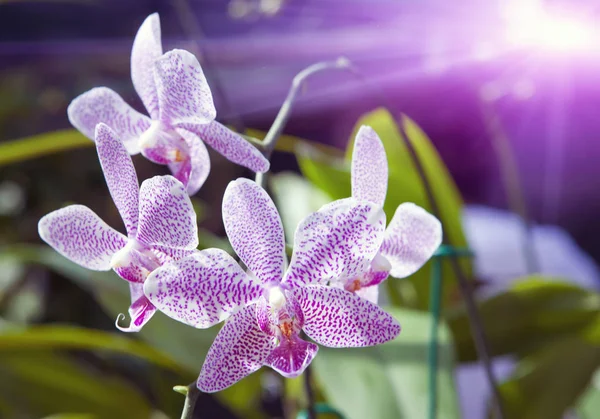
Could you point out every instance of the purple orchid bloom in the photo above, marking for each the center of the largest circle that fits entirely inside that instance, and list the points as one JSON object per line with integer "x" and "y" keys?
{"x": 180, "y": 104}
{"x": 270, "y": 305}
{"x": 413, "y": 234}
{"x": 158, "y": 216}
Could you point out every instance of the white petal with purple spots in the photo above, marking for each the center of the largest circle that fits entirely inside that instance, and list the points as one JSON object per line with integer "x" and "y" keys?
{"x": 146, "y": 49}
{"x": 239, "y": 349}
{"x": 202, "y": 289}
{"x": 230, "y": 144}
{"x": 183, "y": 92}
{"x": 337, "y": 242}
{"x": 410, "y": 240}
{"x": 369, "y": 167}
{"x": 254, "y": 229}
{"x": 339, "y": 319}
{"x": 196, "y": 168}
{"x": 120, "y": 176}
{"x": 78, "y": 234}
{"x": 167, "y": 217}
{"x": 102, "y": 104}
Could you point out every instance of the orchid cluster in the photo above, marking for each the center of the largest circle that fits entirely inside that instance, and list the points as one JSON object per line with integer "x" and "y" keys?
{"x": 341, "y": 253}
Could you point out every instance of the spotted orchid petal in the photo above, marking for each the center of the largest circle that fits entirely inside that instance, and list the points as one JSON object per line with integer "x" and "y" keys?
{"x": 239, "y": 349}
{"x": 183, "y": 92}
{"x": 140, "y": 311}
{"x": 146, "y": 50}
{"x": 337, "y": 242}
{"x": 340, "y": 319}
{"x": 230, "y": 144}
{"x": 78, "y": 234}
{"x": 169, "y": 254}
{"x": 201, "y": 290}
{"x": 167, "y": 217}
{"x": 291, "y": 357}
{"x": 194, "y": 170}
{"x": 120, "y": 176}
{"x": 254, "y": 229}
{"x": 369, "y": 167}
{"x": 370, "y": 293}
{"x": 102, "y": 104}
{"x": 410, "y": 240}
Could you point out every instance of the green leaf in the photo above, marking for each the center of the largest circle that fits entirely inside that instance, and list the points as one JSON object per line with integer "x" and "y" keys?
{"x": 589, "y": 404}
{"x": 549, "y": 381}
{"x": 534, "y": 313}
{"x": 16, "y": 151}
{"x": 71, "y": 337}
{"x": 390, "y": 381}
{"x": 40, "y": 384}
{"x": 295, "y": 198}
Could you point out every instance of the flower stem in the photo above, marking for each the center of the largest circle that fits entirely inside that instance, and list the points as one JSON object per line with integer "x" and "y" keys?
{"x": 191, "y": 394}
{"x": 268, "y": 144}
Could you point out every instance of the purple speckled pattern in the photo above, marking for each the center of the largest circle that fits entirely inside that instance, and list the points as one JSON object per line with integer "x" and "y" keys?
{"x": 337, "y": 318}
{"x": 254, "y": 229}
{"x": 291, "y": 357}
{"x": 202, "y": 289}
{"x": 198, "y": 163}
{"x": 230, "y": 144}
{"x": 146, "y": 49}
{"x": 140, "y": 311}
{"x": 239, "y": 349}
{"x": 410, "y": 240}
{"x": 167, "y": 217}
{"x": 77, "y": 233}
{"x": 103, "y": 105}
{"x": 369, "y": 167}
{"x": 183, "y": 92}
{"x": 337, "y": 242}
{"x": 120, "y": 176}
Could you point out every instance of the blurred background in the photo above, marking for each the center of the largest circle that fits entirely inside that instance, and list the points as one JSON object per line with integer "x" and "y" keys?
{"x": 507, "y": 92}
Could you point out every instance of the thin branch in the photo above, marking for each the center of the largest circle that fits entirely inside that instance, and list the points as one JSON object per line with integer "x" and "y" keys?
{"x": 475, "y": 322}
{"x": 268, "y": 144}
{"x": 310, "y": 394}
{"x": 191, "y": 394}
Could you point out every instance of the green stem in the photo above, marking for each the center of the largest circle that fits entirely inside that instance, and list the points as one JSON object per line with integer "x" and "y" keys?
{"x": 270, "y": 141}
{"x": 191, "y": 394}
{"x": 434, "y": 307}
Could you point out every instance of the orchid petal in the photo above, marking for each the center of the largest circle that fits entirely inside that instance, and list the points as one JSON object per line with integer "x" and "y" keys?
{"x": 170, "y": 254}
{"x": 410, "y": 240}
{"x": 292, "y": 356}
{"x": 78, "y": 234}
{"x": 146, "y": 50}
{"x": 193, "y": 171}
{"x": 239, "y": 349}
{"x": 231, "y": 145}
{"x": 201, "y": 290}
{"x": 140, "y": 311}
{"x": 369, "y": 167}
{"x": 370, "y": 293}
{"x": 340, "y": 319}
{"x": 102, "y": 104}
{"x": 183, "y": 92}
{"x": 254, "y": 229}
{"x": 120, "y": 176}
{"x": 167, "y": 217}
{"x": 337, "y": 242}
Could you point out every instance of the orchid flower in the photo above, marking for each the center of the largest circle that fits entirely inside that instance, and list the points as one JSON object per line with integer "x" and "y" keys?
{"x": 413, "y": 234}
{"x": 158, "y": 216}
{"x": 269, "y": 306}
{"x": 180, "y": 104}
